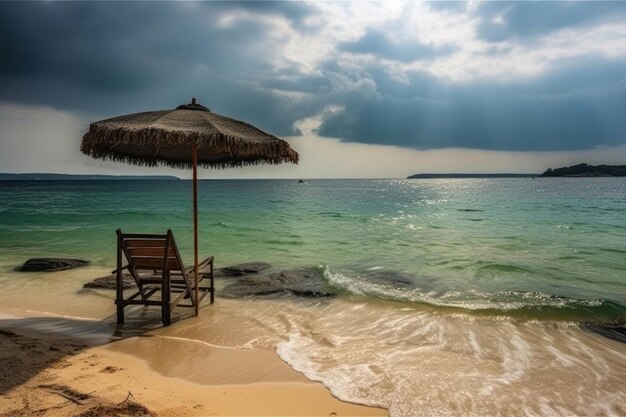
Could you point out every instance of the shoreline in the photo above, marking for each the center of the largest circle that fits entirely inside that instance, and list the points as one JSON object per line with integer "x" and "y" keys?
{"x": 238, "y": 358}
{"x": 50, "y": 373}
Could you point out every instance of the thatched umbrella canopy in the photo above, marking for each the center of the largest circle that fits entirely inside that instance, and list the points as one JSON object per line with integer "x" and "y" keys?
{"x": 166, "y": 137}
{"x": 185, "y": 137}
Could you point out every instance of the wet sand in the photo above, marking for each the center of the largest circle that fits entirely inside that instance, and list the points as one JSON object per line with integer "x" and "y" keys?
{"x": 61, "y": 354}
{"x": 410, "y": 359}
{"x": 51, "y": 374}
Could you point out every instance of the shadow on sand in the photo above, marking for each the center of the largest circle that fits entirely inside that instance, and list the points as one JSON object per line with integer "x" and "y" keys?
{"x": 30, "y": 345}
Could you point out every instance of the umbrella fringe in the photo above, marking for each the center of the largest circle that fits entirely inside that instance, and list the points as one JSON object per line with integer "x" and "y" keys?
{"x": 102, "y": 142}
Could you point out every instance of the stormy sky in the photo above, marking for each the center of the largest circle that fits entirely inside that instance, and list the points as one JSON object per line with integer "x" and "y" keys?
{"x": 359, "y": 89}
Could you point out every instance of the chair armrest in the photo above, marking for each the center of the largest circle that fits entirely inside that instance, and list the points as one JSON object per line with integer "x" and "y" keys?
{"x": 202, "y": 264}
{"x": 207, "y": 261}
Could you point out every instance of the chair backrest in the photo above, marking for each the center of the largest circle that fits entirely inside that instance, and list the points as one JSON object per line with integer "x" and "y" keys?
{"x": 150, "y": 251}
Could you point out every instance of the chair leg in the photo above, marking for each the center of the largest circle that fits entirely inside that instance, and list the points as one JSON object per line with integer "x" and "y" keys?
{"x": 119, "y": 287}
{"x": 120, "y": 312}
{"x": 119, "y": 298}
{"x": 212, "y": 285}
{"x": 166, "y": 310}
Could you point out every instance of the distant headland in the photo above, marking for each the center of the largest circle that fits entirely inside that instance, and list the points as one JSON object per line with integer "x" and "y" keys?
{"x": 472, "y": 176}
{"x": 585, "y": 170}
{"x": 66, "y": 177}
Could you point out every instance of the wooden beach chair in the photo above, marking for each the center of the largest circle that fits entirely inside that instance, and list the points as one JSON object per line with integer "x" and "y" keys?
{"x": 156, "y": 266}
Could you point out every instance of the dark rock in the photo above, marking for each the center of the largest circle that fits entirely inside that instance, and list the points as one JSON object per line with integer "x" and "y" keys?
{"x": 311, "y": 293}
{"x": 301, "y": 283}
{"x": 51, "y": 264}
{"x": 612, "y": 331}
{"x": 304, "y": 283}
{"x": 7, "y": 333}
{"x": 108, "y": 282}
{"x": 390, "y": 277}
{"x": 253, "y": 285}
{"x": 242, "y": 269}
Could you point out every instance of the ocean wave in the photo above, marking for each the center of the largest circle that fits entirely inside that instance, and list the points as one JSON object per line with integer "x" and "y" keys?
{"x": 331, "y": 214}
{"x": 613, "y": 250}
{"x": 474, "y": 300}
{"x": 219, "y": 224}
{"x": 340, "y": 380}
{"x": 419, "y": 364}
{"x": 63, "y": 228}
{"x": 284, "y": 242}
{"x": 487, "y": 269}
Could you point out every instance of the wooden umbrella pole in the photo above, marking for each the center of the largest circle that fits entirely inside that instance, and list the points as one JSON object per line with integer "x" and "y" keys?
{"x": 196, "y": 291}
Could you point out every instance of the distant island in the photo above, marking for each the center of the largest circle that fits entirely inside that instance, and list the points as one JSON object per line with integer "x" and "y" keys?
{"x": 66, "y": 177}
{"x": 472, "y": 176}
{"x": 585, "y": 170}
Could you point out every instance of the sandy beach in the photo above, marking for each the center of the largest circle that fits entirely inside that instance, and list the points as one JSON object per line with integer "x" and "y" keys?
{"x": 49, "y": 374}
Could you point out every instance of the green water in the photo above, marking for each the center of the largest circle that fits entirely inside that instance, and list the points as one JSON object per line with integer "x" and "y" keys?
{"x": 540, "y": 247}
{"x": 457, "y": 297}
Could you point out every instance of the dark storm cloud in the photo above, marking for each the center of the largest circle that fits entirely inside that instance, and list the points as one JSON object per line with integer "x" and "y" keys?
{"x": 80, "y": 43}
{"x": 110, "y": 58}
{"x": 113, "y": 57}
{"x": 296, "y": 12}
{"x": 378, "y": 44}
{"x": 114, "y": 45}
{"x": 570, "y": 108}
{"x": 501, "y": 20}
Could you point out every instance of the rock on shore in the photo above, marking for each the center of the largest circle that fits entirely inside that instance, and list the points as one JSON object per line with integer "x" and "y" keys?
{"x": 242, "y": 269}
{"x": 108, "y": 282}
{"x": 299, "y": 282}
{"x": 51, "y": 264}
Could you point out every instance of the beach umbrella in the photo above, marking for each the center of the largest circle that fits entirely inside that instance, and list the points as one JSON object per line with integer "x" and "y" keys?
{"x": 185, "y": 137}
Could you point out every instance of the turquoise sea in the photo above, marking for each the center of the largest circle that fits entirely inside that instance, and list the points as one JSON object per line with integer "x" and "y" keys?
{"x": 456, "y": 296}
{"x": 539, "y": 247}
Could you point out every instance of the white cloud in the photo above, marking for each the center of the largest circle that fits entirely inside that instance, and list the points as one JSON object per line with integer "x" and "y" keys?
{"x": 416, "y": 21}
